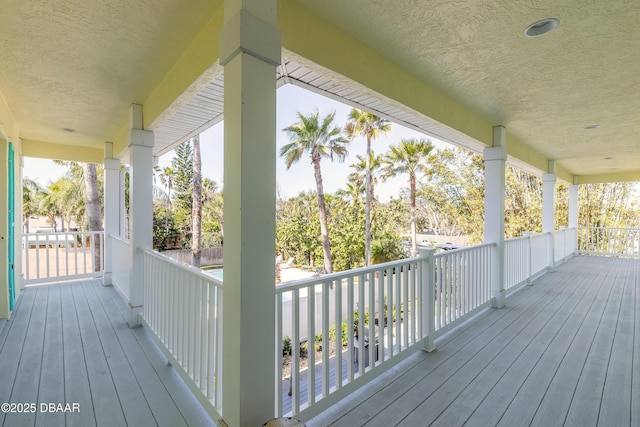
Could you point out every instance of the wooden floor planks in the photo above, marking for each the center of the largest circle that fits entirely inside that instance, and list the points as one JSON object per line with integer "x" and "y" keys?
{"x": 562, "y": 352}
{"x": 68, "y": 343}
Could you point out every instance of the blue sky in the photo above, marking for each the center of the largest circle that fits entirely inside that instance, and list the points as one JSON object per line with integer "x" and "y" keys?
{"x": 299, "y": 177}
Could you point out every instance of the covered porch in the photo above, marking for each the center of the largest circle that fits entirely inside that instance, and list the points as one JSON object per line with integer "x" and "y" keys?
{"x": 123, "y": 83}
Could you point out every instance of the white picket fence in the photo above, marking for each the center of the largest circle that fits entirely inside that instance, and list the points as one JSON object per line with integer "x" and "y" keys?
{"x": 183, "y": 312}
{"x": 59, "y": 256}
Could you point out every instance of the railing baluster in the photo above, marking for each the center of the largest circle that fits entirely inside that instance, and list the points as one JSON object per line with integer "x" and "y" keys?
{"x": 279, "y": 354}
{"x": 311, "y": 342}
{"x": 295, "y": 354}
{"x": 350, "y": 338}
{"x": 338, "y": 328}
{"x": 326, "y": 295}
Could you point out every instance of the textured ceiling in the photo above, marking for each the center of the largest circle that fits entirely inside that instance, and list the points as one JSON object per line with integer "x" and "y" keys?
{"x": 545, "y": 90}
{"x": 79, "y": 64}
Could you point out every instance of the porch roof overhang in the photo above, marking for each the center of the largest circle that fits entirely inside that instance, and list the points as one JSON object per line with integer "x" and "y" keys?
{"x": 453, "y": 70}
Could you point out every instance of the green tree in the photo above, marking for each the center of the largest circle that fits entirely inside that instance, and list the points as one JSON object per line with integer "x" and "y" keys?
{"x": 320, "y": 138}
{"x": 370, "y": 126}
{"x": 451, "y": 201}
{"x": 182, "y": 185}
{"x": 196, "y": 216}
{"x": 408, "y": 157}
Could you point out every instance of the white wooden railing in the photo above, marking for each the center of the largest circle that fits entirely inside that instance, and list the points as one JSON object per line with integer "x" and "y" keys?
{"x": 381, "y": 304}
{"x": 540, "y": 256}
{"x": 183, "y": 312}
{"x": 349, "y": 327}
{"x": 462, "y": 284}
{"x": 517, "y": 261}
{"x": 564, "y": 244}
{"x": 405, "y": 305}
{"x": 58, "y": 256}
{"x": 529, "y": 256}
{"x": 623, "y": 242}
{"x": 121, "y": 265}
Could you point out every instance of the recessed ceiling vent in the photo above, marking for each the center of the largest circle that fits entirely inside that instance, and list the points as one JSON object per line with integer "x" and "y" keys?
{"x": 541, "y": 27}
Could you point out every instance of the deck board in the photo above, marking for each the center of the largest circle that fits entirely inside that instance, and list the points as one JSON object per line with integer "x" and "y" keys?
{"x": 69, "y": 343}
{"x": 27, "y": 378}
{"x": 76, "y": 378}
{"x": 159, "y": 401}
{"x": 529, "y": 376}
{"x": 561, "y": 352}
{"x": 52, "y": 372}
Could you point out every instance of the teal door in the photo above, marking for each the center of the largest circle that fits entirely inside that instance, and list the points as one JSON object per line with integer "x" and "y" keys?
{"x": 12, "y": 219}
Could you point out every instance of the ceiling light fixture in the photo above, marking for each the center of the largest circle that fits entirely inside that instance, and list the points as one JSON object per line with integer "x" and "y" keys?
{"x": 591, "y": 127}
{"x": 541, "y": 27}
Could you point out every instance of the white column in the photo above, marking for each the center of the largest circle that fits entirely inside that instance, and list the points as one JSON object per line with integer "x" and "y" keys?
{"x": 548, "y": 202}
{"x": 249, "y": 51}
{"x": 573, "y": 206}
{"x": 111, "y": 208}
{"x": 141, "y": 208}
{"x": 494, "y": 171}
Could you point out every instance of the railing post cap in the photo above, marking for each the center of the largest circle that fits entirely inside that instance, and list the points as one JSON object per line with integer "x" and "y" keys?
{"x": 425, "y": 252}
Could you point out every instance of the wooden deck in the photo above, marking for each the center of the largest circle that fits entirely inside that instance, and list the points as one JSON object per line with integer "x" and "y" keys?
{"x": 68, "y": 343}
{"x": 565, "y": 351}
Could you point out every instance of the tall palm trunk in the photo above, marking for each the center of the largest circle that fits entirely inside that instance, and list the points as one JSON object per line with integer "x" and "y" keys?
{"x": 412, "y": 195}
{"x": 196, "y": 217}
{"x": 367, "y": 207}
{"x": 324, "y": 230}
{"x": 93, "y": 211}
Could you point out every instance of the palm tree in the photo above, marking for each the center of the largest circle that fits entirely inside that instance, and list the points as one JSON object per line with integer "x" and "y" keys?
{"x": 167, "y": 177}
{"x": 320, "y": 138}
{"x": 94, "y": 213}
{"x": 31, "y": 193}
{"x": 196, "y": 216}
{"x": 408, "y": 157}
{"x": 353, "y": 191}
{"x": 359, "y": 176}
{"x": 371, "y": 126}
{"x": 209, "y": 189}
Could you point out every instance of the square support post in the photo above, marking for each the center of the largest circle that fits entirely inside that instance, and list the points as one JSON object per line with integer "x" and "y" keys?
{"x": 250, "y": 49}
{"x": 428, "y": 303}
{"x": 111, "y": 208}
{"x": 574, "y": 211}
{"x": 549, "y": 211}
{"x": 141, "y": 209}
{"x": 494, "y": 169}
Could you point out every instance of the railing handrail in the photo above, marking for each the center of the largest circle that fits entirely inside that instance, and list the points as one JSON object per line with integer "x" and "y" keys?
{"x": 462, "y": 250}
{"x": 341, "y": 275}
{"x": 57, "y": 233}
{"x": 184, "y": 266}
{"x": 119, "y": 238}
{"x": 609, "y": 228}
